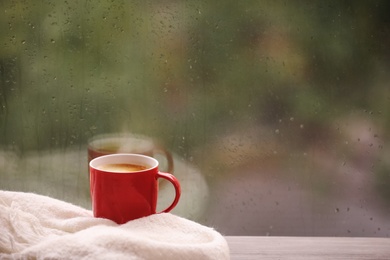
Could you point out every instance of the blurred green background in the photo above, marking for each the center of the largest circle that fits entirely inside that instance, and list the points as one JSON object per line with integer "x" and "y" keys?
{"x": 283, "y": 106}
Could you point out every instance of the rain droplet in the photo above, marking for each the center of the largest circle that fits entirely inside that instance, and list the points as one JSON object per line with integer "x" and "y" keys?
{"x": 53, "y": 41}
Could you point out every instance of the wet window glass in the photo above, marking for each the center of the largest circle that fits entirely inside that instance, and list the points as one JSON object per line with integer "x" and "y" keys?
{"x": 274, "y": 116}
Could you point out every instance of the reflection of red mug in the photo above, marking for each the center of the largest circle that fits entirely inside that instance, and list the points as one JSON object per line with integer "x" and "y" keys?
{"x": 105, "y": 144}
{"x": 124, "y": 186}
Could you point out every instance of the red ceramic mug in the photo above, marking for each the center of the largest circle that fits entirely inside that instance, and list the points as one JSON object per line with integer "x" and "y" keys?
{"x": 124, "y": 186}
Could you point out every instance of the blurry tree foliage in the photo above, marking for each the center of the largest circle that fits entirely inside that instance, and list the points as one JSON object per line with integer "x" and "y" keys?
{"x": 188, "y": 70}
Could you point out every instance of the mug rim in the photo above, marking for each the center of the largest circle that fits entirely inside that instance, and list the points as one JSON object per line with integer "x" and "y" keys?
{"x": 150, "y": 162}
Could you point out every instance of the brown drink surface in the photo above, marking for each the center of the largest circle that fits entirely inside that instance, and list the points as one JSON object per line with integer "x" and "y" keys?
{"x": 121, "y": 167}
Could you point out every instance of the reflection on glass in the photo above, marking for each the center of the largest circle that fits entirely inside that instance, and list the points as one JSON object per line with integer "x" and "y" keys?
{"x": 277, "y": 114}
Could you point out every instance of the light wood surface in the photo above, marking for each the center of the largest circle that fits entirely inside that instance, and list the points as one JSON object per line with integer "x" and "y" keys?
{"x": 243, "y": 247}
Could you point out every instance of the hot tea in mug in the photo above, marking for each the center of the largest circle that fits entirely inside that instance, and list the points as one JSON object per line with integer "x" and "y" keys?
{"x": 124, "y": 187}
{"x": 105, "y": 144}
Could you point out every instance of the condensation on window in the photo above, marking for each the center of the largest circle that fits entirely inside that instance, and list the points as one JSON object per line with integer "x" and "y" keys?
{"x": 276, "y": 113}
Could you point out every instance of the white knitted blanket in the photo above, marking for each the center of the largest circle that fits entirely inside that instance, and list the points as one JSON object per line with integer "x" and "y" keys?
{"x": 38, "y": 227}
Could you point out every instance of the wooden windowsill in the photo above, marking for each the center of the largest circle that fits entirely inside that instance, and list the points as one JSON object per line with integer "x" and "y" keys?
{"x": 245, "y": 247}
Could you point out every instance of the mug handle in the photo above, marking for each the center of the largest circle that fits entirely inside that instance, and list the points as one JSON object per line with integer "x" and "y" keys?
{"x": 167, "y": 155}
{"x": 169, "y": 177}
